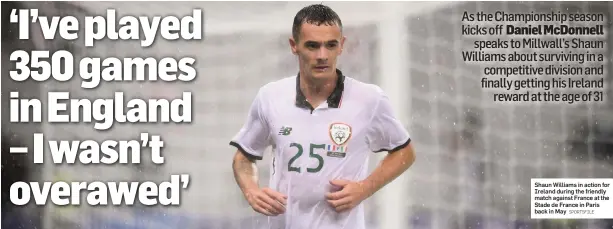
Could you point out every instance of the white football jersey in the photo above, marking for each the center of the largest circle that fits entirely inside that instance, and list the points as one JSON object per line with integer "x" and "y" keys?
{"x": 312, "y": 146}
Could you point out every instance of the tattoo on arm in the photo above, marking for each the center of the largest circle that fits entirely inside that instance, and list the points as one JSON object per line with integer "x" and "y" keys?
{"x": 245, "y": 172}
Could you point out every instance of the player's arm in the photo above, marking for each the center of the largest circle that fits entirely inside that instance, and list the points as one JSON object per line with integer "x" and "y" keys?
{"x": 251, "y": 142}
{"x": 353, "y": 193}
{"x": 386, "y": 134}
{"x": 393, "y": 165}
{"x": 245, "y": 172}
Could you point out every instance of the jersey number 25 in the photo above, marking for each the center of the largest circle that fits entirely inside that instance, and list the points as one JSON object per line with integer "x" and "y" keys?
{"x": 312, "y": 154}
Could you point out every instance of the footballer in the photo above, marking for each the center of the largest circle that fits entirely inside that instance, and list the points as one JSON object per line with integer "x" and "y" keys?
{"x": 322, "y": 126}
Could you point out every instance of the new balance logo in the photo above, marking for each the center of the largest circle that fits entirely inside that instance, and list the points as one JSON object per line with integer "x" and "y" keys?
{"x": 285, "y": 131}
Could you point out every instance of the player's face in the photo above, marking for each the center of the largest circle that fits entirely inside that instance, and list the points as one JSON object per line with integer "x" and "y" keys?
{"x": 317, "y": 49}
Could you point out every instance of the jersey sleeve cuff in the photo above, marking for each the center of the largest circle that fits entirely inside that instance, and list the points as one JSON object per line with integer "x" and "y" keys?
{"x": 394, "y": 149}
{"x": 250, "y": 156}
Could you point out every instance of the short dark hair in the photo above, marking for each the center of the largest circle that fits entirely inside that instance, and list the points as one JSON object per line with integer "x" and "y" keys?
{"x": 316, "y": 14}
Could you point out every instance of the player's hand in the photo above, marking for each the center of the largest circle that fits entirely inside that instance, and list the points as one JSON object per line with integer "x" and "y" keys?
{"x": 350, "y": 195}
{"x": 266, "y": 201}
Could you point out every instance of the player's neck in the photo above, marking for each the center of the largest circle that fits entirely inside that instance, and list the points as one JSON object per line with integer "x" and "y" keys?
{"x": 317, "y": 91}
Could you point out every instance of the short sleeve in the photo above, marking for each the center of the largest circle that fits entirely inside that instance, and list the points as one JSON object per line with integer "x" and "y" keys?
{"x": 254, "y": 137}
{"x": 386, "y": 132}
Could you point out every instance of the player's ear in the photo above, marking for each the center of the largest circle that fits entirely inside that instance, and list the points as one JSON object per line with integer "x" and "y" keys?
{"x": 342, "y": 44}
{"x": 293, "y": 45}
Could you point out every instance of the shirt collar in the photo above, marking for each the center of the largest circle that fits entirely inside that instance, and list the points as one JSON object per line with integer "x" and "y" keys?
{"x": 334, "y": 100}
